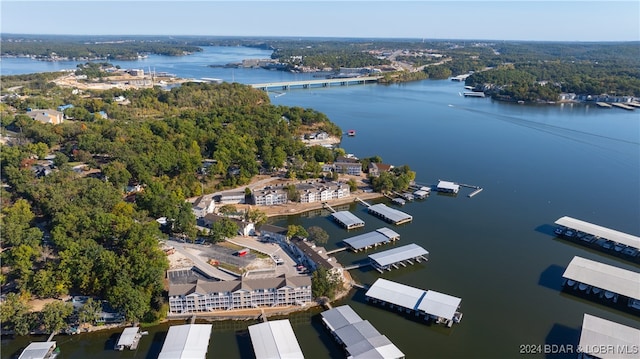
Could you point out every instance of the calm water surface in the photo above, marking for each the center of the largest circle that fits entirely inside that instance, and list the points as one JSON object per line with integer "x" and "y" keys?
{"x": 496, "y": 251}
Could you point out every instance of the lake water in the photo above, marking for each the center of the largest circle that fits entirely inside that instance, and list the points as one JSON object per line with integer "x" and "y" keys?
{"x": 496, "y": 250}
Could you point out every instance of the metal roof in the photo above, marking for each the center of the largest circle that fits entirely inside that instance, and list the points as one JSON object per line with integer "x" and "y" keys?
{"x": 347, "y": 218}
{"x": 398, "y": 254}
{"x": 274, "y": 339}
{"x": 339, "y": 317}
{"x": 362, "y": 340}
{"x": 604, "y": 276}
{"x": 128, "y": 336}
{"x": 188, "y": 341}
{"x": 607, "y": 339}
{"x": 396, "y": 293}
{"x": 448, "y": 185}
{"x": 364, "y": 240}
{"x": 439, "y": 304}
{"x": 603, "y": 232}
{"x": 37, "y": 350}
{"x": 390, "y": 213}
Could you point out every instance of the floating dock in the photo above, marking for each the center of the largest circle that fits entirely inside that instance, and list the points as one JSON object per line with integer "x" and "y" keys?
{"x": 359, "y": 337}
{"x": 616, "y": 242}
{"x": 603, "y": 105}
{"x": 347, "y": 220}
{"x": 447, "y": 187}
{"x": 392, "y": 258}
{"x": 372, "y": 239}
{"x": 40, "y": 350}
{"x": 602, "y": 280}
{"x": 473, "y": 94}
{"x": 623, "y": 106}
{"x": 432, "y": 305}
{"x": 388, "y": 214}
{"x": 186, "y": 341}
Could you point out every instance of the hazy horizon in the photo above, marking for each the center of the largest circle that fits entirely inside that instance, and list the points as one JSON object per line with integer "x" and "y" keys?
{"x": 515, "y": 20}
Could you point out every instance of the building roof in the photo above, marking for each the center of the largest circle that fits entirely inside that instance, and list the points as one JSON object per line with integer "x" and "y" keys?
{"x": 448, "y": 185}
{"x": 128, "y": 336}
{"x": 273, "y": 229}
{"x": 603, "y": 232}
{"x": 604, "y": 276}
{"x": 430, "y": 302}
{"x": 37, "y": 350}
{"x": 347, "y": 218}
{"x": 362, "y": 340}
{"x": 598, "y": 333}
{"x": 398, "y": 254}
{"x": 316, "y": 254}
{"x": 202, "y": 286}
{"x": 188, "y": 341}
{"x": 396, "y": 293}
{"x": 339, "y": 317}
{"x": 439, "y": 304}
{"x": 274, "y": 339}
{"x": 392, "y": 214}
{"x": 364, "y": 240}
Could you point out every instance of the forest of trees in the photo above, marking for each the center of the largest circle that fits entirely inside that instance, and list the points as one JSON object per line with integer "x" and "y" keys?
{"x": 68, "y": 234}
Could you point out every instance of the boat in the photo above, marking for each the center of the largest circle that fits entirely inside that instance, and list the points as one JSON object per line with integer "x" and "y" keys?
{"x": 351, "y": 133}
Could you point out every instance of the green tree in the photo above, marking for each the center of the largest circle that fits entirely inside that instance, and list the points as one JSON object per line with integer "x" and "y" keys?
{"x": 318, "y": 235}
{"x": 117, "y": 174}
{"x": 324, "y": 283}
{"x": 90, "y": 312}
{"x": 294, "y": 230}
{"x": 228, "y": 209}
{"x": 55, "y": 314}
{"x": 185, "y": 222}
{"x": 16, "y": 225}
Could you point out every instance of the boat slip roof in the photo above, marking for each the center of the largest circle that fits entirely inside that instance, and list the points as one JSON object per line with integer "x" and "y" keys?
{"x": 604, "y": 276}
{"x": 448, "y": 185}
{"x": 339, "y": 317}
{"x": 360, "y": 338}
{"x": 398, "y": 254}
{"x": 274, "y": 339}
{"x": 188, "y": 341}
{"x": 347, "y": 218}
{"x": 396, "y": 293}
{"x": 430, "y": 302}
{"x": 603, "y": 232}
{"x": 607, "y": 339}
{"x": 37, "y": 350}
{"x": 392, "y": 214}
{"x": 368, "y": 239}
{"x": 439, "y": 304}
{"x": 128, "y": 336}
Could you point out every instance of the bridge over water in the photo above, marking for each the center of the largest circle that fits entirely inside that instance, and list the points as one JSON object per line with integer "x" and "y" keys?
{"x": 287, "y": 85}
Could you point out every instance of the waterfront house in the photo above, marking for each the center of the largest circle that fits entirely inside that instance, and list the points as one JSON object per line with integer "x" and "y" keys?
{"x": 346, "y": 165}
{"x": 46, "y": 116}
{"x": 206, "y": 295}
{"x": 375, "y": 169}
{"x": 312, "y": 256}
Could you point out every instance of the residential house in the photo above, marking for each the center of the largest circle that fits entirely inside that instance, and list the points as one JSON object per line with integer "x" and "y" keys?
{"x": 376, "y": 168}
{"x": 245, "y": 228}
{"x": 346, "y": 165}
{"x": 203, "y": 206}
{"x": 313, "y": 257}
{"x": 46, "y": 116}
{"x": 206, "y": 295}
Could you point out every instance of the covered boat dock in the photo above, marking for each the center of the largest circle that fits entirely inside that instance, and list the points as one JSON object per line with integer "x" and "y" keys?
{"x": 371, "y": 239}
{"x": 188, "y": 341}
{"x": 129, "y": 339}
{"x": 39, "y": 350}
{"x": 608, "y": 340}
{"x": 602, "y": 280}
{"x": 440, "y": 307}
{"x": 274, "y": 339}
{"x": 347, "y": 220}
{"x": 389, "y": 214}
{"x": 404, "y": 255}
{"x": 448, "y": 187}
{"x": 623, "y": 243}
{"x": 359, "y": 337}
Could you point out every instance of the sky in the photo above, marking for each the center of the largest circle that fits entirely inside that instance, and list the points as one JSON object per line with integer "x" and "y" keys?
{"x": 475, "y": 19}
